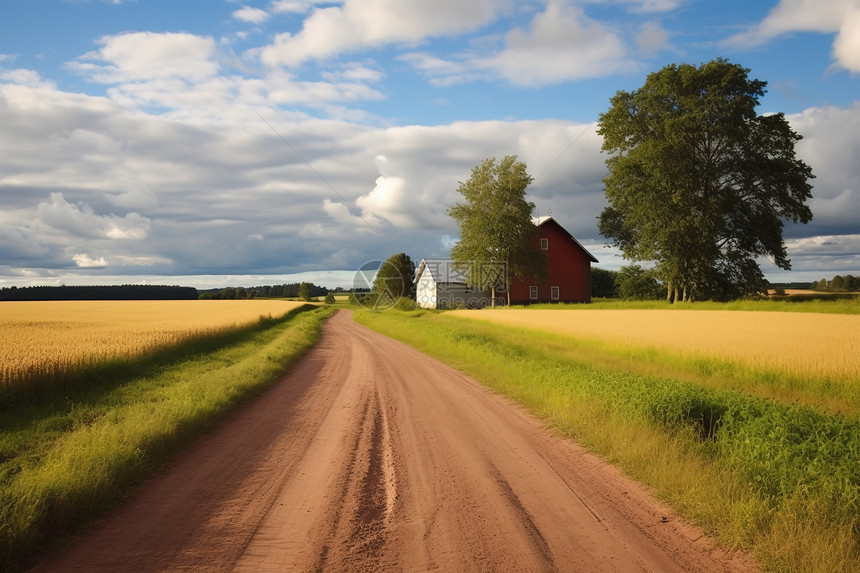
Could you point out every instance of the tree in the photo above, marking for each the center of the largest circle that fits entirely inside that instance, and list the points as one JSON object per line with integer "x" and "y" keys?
{"x": 329, "y": 298}
{"x": 305, "y": 291}
{"x": 603, "y": 283}
{"x": 498, "y": 239}
{"x": 634, "y": 282}
{"x": 698, "y": 182}
{"x": 394, "y": 278}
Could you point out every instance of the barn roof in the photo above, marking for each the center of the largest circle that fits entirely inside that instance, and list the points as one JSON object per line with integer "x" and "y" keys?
{"x": 540, "y": 221}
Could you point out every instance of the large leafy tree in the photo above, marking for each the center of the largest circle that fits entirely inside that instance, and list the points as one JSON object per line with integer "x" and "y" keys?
{"x": 394, "y": 278}
{"x": 698, "y": 182}
{"x": 498, "y": 239}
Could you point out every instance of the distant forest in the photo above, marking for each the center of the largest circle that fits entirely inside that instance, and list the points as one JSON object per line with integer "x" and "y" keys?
{"x": 839, "y": 283}
{"x": 104, "y": 292}
{"x": 269, "y": 291}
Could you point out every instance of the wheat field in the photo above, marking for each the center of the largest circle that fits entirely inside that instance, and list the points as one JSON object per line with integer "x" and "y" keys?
{"x": 40, "y": 340}
{"x": 801, "y": 344}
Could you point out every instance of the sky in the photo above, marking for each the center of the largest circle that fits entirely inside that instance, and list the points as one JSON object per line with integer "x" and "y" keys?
{"x": 220, "y": 143}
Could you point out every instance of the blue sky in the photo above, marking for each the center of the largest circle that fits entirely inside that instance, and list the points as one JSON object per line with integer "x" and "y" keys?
{"x": 219, "y": 142}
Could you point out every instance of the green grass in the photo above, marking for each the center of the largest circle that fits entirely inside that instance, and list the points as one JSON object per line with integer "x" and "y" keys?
{"x": 65, "y": 460}
{"x": 819, "y": 392}
{"x": 779, "y": 480}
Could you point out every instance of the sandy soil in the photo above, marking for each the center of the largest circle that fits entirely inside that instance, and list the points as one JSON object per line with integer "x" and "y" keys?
{"x": 370, "y": 456}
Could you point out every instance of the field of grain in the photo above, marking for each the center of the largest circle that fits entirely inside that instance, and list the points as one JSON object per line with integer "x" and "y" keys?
{"x": 46, "y": 339}
{"x": 800, "y": 344}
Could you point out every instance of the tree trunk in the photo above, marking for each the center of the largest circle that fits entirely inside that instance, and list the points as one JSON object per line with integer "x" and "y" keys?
{"x": 493, "y": 296}
{"x": 669, "y": 293}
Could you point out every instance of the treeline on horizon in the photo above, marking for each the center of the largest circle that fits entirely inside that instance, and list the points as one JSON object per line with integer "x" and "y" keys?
{"x": 839, "y": 283}
{"x": 644, "y": 284}
{"x": 99, "y": 292}
{"x": 290, "y": 290}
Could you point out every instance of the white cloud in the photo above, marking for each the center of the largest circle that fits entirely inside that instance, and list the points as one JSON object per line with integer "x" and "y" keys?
{"x": 840, "y": 17}
{"x": 441, "y": 72}
{"x": 830, "y": 146}
{"x": 648, "y": 6}
{"x": 137, "y": 56}
{"x": 652, "y": 38}
{"x": 85, "y": 261}
{"x": 252, "y": 15}
{"x": 81, "y": 221}
{"x": 562, "y": 44}
{"x": 354, "y": 72}
{"x": 218, "y": 192}
{"x": 391, "y": 200}
{"x": 357, "y": 24}
{"x": 137, "y": 196}
{"x": 29, "y": 78}
{"x": 846, "y": 46}
{"x": 295, "y": 6}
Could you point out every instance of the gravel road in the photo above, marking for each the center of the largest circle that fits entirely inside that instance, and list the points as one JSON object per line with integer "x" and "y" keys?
{"x": 370, "y": 456}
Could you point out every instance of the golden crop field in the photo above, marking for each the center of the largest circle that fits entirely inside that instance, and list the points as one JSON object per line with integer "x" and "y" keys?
{"x": 39, "y": 339}
{"x": 806, "y": 344}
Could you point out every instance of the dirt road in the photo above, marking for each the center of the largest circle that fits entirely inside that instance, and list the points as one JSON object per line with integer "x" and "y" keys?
{"x": 370, "y": 456}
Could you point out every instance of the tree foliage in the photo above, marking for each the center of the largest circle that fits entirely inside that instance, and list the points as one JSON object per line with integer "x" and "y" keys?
{"x": 394, "y": 278}
{"x": 498, "y": 239}
{"x": 603, "y": 283}
{"x": 635, "y": 283}
{"x": 698, "y": 182}
{"x": 839, "y": 283}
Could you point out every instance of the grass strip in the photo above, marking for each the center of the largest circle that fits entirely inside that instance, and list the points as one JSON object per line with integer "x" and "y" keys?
{"x": 65, "y": 461}
{"x": 780, "y": 480}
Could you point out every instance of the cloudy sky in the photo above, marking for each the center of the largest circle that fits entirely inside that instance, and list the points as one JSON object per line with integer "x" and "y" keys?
{"x": 216, "y": 142}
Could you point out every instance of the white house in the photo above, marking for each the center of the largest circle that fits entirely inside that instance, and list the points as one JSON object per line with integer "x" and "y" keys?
{"x": 439, "y": 284}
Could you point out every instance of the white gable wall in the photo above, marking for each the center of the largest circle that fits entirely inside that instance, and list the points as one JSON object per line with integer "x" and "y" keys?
{"x": 446, "y": 289}
{"x": 425, "y": 291}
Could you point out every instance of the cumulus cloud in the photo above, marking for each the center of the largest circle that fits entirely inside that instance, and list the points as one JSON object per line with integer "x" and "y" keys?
{"x": 652, "y": 38}
{"x": 80, "y": 220}
{"x": 137, "y": 196}
{"x": 562, "y": 44}
{"x": 137, "y": 56}
{"x": 649, "y": 6}
{"x": 83, "y": 260}
{"x": 831, "y": 148}
{"x": 295, "y": 6}
{"x": 29, "y": 78}
{"x": 252, "y": 15}
{"x": 357, "y": 24}
{"x": 840, "y": 17}
{"x": 440, "y": 71}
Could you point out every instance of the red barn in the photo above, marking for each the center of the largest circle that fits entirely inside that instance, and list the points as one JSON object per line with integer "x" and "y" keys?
{"x": 569, "y": 277}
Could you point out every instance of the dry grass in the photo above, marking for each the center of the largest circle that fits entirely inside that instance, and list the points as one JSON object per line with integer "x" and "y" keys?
{"x": 797, "y": 344}
{"x": 48, "y": 339}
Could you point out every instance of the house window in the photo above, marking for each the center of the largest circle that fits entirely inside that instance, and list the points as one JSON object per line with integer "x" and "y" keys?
{"x": 533, "y": 292}
{"x": 554, "y": 293}
{"x": 544, "y": 244}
